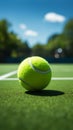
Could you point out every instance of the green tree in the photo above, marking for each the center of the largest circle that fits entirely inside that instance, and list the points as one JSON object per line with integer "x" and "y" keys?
{"x": 68, "y": 33}
{"x": 4, "y": 38}
{"x": 56, "y": 44}
{"x": 10, "y": 44}
{"x": 61, "y": 45}
{"x": 23, "y": 50}
{"x": 41, "y": 50}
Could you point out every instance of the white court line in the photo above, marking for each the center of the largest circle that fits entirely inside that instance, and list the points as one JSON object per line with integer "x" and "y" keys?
{"x": 5, "y": 77}
{"x": 62, "y": 78}
{"x": 54, "y": 78}
{"x": 8, "y": 75}
{"x": 9, "y": 79}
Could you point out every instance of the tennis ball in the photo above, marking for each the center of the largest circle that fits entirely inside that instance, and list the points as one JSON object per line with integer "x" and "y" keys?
{"x": 34, "y": 73}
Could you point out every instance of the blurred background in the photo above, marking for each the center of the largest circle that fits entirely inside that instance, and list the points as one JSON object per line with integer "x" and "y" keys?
{"x": 36, "y": 27}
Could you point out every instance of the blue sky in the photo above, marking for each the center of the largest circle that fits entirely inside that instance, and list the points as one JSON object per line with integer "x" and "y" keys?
{"x": 36, "y": 20}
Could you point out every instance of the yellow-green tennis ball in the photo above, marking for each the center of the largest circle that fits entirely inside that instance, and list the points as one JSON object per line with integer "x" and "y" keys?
{"x": 34, "y": 73}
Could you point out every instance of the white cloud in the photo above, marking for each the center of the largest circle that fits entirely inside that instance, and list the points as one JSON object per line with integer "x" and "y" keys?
{"x": 54, "y": 17}
{"x": 22, "y": 26}
{"x": 31, "y": 33}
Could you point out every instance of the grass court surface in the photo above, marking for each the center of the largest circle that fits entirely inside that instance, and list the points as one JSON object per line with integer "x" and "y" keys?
{"x": 50, "y": 109}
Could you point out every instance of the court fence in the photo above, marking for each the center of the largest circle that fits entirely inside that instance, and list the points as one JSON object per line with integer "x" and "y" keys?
{"x": 49, "y": 59}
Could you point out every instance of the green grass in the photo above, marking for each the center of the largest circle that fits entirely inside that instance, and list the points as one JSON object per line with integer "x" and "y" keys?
{"x": 62, "y": 70}
{"x": 51, "y": 109}
{"x": 6, "y": 68}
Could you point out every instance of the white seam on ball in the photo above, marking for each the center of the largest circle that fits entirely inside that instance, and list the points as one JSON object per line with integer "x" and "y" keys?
{"x": 25, "y": 82}
{"x": 36, "y": 69}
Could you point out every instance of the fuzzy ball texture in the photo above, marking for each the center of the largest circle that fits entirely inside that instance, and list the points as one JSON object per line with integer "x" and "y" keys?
{"x": 34, "y": 73}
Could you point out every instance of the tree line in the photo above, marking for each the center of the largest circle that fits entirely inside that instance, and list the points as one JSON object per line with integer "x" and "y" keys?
{"x": 58, "y": 45}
